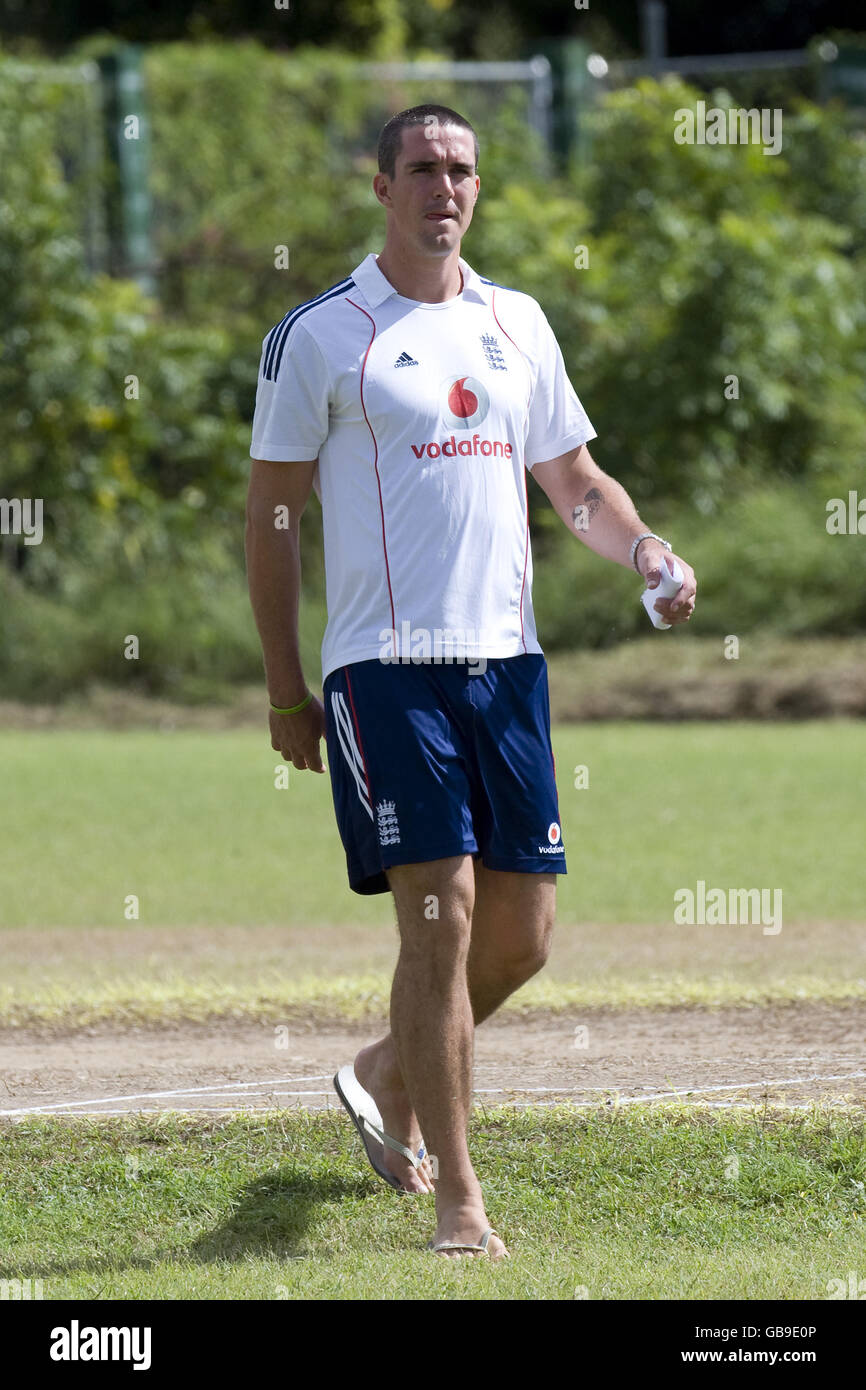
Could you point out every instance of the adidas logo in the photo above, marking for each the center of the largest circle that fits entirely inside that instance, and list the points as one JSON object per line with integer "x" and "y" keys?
{"x": 404, "y": 360}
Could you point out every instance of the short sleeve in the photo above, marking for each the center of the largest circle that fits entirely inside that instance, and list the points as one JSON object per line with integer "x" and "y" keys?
{"x": 557, "y": 420}
{"x": 290, "y": 424}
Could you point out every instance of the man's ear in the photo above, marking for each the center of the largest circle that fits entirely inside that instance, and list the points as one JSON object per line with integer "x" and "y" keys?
{"x": 381, "y": 188}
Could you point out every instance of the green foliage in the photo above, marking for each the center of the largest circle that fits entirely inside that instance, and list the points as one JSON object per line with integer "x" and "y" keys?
{"x": 826, "y": 167}
{"x": 73, "y": 430}
{"x": 125, "y": 481}
{"x": 250, "y": 153}
{"x": 255, "y": 150}
{"x": 188, "y": 605}
{"x": 702, "y": 267}
{"x": 705, "y": 263}
{"x": 765, "y": 563}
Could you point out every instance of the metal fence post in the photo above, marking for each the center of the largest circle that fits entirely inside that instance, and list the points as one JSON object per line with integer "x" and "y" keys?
{"x": 573, "y": 92}
{"x": 127, "y": 127}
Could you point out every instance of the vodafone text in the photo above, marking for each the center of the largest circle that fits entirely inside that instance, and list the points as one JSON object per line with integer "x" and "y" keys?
{"x": 449, "y": 448}
{"x": 77, "y": 1343}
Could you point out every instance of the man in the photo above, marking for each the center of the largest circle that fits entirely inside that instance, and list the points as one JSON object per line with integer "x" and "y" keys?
{"x": 413, "y": 396}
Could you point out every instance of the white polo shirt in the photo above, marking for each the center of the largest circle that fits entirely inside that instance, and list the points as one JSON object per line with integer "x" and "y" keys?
{"x": 423, "y": 418}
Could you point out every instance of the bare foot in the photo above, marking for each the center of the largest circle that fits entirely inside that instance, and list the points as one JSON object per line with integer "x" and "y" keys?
{"x": 466, "y": 1224}
{"x": 378, "y": 1071}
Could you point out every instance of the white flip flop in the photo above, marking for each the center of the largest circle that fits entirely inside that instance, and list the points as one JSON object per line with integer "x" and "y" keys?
{"x": 481, "y": 1247}
{"x": 365, "y": 1116}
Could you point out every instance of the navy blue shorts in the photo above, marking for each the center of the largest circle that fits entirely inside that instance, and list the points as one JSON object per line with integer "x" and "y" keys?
{"x": 433, "y": 760}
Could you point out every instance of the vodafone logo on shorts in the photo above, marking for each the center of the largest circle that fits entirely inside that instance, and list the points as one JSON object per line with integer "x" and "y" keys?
{"x": 466, "y": 402}
{"x": 554, "y": 835}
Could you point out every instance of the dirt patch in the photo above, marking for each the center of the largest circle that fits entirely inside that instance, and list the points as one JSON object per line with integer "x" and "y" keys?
{"x": 772, "y": 678}
{"x": 36, "y": 960}
{"x": 783, "y": 1055}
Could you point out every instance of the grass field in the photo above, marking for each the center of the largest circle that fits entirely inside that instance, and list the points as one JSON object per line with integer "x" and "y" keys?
{"x": 193, "y": 824}
{"x": 246, "y": 917}
{"x": 602, "y": 1206}
{"x": 79, "y": 979}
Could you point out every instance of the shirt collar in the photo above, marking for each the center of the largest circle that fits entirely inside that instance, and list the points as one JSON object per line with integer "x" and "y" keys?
{"x": 376, "y": 288}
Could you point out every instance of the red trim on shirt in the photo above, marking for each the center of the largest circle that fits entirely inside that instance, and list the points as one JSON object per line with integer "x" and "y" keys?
{"x": 525, "y": 559}
{"x": 376, "y": 461}
{"x": 525, "y": 492}
{"x": 499, "y": 325}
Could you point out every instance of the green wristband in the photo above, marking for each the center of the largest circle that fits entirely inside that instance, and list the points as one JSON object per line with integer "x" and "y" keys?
{"x": 295, "y": 709}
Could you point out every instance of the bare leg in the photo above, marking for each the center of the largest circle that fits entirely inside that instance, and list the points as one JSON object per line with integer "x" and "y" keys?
{"x": 510, "y": 931}
{"x": 433, "y": 1029}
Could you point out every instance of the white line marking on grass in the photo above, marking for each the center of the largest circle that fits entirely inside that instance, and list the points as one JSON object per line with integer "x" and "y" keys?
{"x": 166, "y": 1110}
{"x": 664, "y": 1095}
{"x": 742, "y": 1086}
{"x": 515, "y": 1105}
{"x": 694, "y": 1091}
{"x": 750, "y": 1106}
{"x": 158, "y": 1095}
{"x": 229, "y": 1090}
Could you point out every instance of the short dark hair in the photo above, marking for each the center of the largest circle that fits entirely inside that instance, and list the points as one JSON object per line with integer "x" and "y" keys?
{"x": 391, "y": 138}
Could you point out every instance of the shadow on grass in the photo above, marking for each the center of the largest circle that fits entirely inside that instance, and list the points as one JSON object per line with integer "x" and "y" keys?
{"x": 270, "y": 1220}
{"x": 272, "y": 1217}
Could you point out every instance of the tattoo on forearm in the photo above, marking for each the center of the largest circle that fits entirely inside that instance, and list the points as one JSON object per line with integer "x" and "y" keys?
{"x": 586, "y": 510}
{"x": 593, "y": 499}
